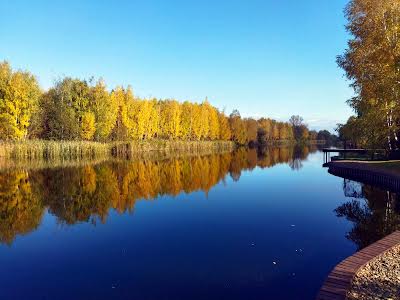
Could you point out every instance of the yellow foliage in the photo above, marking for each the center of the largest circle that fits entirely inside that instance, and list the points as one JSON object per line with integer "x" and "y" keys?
{"x": 88, "y": 127}
{"x": 19, "y": 96}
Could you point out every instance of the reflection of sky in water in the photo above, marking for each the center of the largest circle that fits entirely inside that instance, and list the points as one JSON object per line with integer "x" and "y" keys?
{"x": 238, "y": 226}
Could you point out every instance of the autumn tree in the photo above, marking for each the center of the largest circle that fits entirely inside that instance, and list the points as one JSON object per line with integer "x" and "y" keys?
{"x": 304, "y": 133}
{"x": 196, "y": 121}
{"x": 187, "y": 120}
{"x": 299, "y": 128}
{"x": 251, "y": 130}
{"x": 120, "y": 130}
{"x": 171, "y": 119}
{"x": 105, "y": 110}
{"x": 153, "y": 125}
{"x": 205, "y": 120}
{"x": 129, "y": 111}
{"x": 225, "y": 130}
{"x": 213, "y": 122}
{"x": 19, "y": 96}
{"x": 88, "y": 127}
{"x": 266, "y": 128}
{"x": 275, "y": 130}
{"x": 371, "y": 63}
{"x": 238, "y": 128}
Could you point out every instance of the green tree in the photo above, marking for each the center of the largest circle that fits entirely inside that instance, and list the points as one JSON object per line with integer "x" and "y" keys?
{"x": 66, "y": 104}
{"x": 300, "y": 130}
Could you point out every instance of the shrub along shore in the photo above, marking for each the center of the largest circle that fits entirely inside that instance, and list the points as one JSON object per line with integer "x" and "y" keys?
{"x": 33, "y": 150}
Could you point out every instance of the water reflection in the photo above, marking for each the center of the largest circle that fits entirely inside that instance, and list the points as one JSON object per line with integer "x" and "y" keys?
{"x": 87, "y": 193}
{"x": 21, "y": 206}
{"x": 374, "y": 212}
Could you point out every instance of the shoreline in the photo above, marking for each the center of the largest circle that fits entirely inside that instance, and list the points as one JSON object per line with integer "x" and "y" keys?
{"x": 379, "y": 278}
{"x": 381, "y": 173}
{"x": 151, "y": 155}
{"x": 339, "y": 283}
{"x": 51, "y": 150}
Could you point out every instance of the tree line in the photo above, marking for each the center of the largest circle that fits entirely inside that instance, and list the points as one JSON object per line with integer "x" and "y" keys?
{"x": 372, "y": 64}
{"x": 75, "y": 109}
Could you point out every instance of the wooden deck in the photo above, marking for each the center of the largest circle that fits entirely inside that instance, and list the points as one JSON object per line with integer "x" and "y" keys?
{"x": 327, "y": 152}
{"x": 339, "y": 280}
{"x": 365, "y": 173}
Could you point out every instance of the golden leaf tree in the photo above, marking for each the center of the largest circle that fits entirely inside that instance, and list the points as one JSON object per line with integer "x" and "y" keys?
{"x": 19, "y": 95}
{"x": 371, "y": 63}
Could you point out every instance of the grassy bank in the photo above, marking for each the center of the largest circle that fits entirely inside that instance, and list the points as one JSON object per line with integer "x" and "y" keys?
{"x": 33, "y": 150}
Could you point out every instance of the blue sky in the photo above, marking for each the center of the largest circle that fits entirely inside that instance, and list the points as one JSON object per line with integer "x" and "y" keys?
{"x": 264, "y": 58}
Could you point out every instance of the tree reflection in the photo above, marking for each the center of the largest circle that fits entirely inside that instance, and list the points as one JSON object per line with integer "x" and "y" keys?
{"x": 87, "y": 193}
{"x": 21, "y": 208}
{"x": 374, "y": 216}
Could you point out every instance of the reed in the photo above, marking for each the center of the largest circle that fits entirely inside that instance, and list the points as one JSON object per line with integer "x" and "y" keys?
{"x": 53, "y": 150}
{"x": 129, "y": 149}
{"x": 34, "y": 150}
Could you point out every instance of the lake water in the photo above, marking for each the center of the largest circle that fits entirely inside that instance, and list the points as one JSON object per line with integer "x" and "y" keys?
{"x": 246, "y": 225}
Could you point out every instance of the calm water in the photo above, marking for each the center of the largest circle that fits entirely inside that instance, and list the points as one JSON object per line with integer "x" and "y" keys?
{"x": 245, "y": 225}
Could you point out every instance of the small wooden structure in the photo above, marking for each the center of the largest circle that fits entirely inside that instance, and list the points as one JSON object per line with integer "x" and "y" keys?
{"x": 327, "y": 152}
{"x": 372, "y": 153}
{"x": 339, "y": 280}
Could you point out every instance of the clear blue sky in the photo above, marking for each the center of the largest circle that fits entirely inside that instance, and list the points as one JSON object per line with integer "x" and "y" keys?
{"x": 265, "y": 58}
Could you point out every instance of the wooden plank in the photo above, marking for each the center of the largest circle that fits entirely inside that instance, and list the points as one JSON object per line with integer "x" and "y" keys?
{"x": 365, "y": 256}
{"x": 335, "y": 290}
{"x": 335, "y": 280}
{"x": 339, "y": 280}
{"x": 329, "y": 296}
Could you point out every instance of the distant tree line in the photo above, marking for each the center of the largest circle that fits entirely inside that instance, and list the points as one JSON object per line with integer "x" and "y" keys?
{"x": 75, "y": 109}
{"x": 372, "y": 64}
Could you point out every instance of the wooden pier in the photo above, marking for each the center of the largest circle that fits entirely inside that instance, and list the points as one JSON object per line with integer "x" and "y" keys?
{"x": 340, "y": 279}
